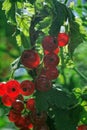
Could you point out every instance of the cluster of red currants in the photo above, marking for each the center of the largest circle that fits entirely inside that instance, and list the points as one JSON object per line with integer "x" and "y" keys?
{"x": 23, "y": 111}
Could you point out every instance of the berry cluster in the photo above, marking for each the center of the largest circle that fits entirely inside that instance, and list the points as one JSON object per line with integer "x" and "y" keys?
{"x": 23, "y": 111}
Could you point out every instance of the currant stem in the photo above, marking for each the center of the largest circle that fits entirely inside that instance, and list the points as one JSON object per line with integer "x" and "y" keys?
{"x": 62, "y": 64}
{"x": 83, "y": 76}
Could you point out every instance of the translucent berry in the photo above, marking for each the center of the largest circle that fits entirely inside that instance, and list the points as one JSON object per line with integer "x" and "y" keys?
{"x": 13, "y": 116}
{"x": 49, "y": 43}
{"x": 27, "y": 88}
{"x": 13, "y": 88}
{"x": 82, "y": 127}
{"x": 43, "y": 83}
{"x": 30, "y": 104}
{"x": 2, "y": 88}
{"x": 18, "y": 105}
{"x": 56, "y": 51}
{"x": 21, "y": 122}
{"x": 30, "y": 126}
{"x": 30, "y": 59}
{"x": 51, "y": 60}
{"x": 63, "y": 39}
{"x": 52, "y": 73}
{"x": 7, "y": 101}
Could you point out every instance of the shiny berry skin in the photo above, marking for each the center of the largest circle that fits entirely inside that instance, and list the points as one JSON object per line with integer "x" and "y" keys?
{"x": 27, "y": 88}
{"x": 18, "y": 105}
{"x": 82, "y": 127}
{"x": 13, "y": 116}
{"x": 52, "y": 73}
{"x": 56, "y": 51}
{"x": 49, "y": 43}
{"x": 2, "y": 88}
{"x": 7, "y": 101}
{"x": 51, "y": 59}
{"x": 12, "y": 88}
{"x": 43, "y": 83}
{"x": 62, "y": 39}
{"x": 30, "y": 59}
{"x": 30, "y": 126}
{"x": 30, "y": 104}
{"x": 21, "y": 122}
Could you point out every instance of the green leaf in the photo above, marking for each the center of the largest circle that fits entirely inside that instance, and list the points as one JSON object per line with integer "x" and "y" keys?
{"x": 32, "y": 1}
{"x": 59, "y": 17}
{"x": 76, "y": 37}
{"x": 6, "y": 6}
{"x": 9, "y": 8}
{"x": 54, "y": 97}
{"x": 67, "y": 119}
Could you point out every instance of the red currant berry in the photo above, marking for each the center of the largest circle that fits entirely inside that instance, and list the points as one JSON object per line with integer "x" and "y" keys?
{"x": 21, "y": 122}
{"x": 30, "y": 104}
{"x": 12, "y": 88}
{"x": 30, "y": 59}
{"x": 51, "y": 60}
{"x": 27, "y": 120}
{"x": 7, "y": 101}
{"x": 63, "y": 39}
{"x": 82, "y": 127}
{"x": 27, "y": 87}
{"x": 18, "y": 105}
{"x": 2, "y": 88}
{"x": 56, "y": 51}
{"x": 49, "y": 43}
{"x": 52, "y": 73}
{"x": 43, "y": 83}
{"x": 13, "y": 116}
{"x": 30, "y": 126}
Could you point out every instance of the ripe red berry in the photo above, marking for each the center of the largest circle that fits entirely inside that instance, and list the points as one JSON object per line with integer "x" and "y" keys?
{"x": 30, "y": 59}
{"x": 43, "y": 83}
{"x": 27, "y": 88}
{"x": 13, "y": 88}
{"x": 30, "y": 126}
{"x": 30, "y": 104}
{"x": 18, "y": 105}
{"x": 49, "y": 43}
{"x": 7, "y": 101}
{"x": 82, "y": 127}
{"x": 51, "y": 60}
{"x": 21, "y": 122}
{"x": 52, "y": 73}
{"x": 2, "y": 88}
{"x": 63, "y": 39}
{"x": 13, "y": 116}
{"x": 56, "y": 51}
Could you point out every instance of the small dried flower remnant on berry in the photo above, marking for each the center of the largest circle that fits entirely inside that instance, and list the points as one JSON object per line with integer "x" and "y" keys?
{"x": 13, "y": 88}
{"x": 27, "y": 88}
